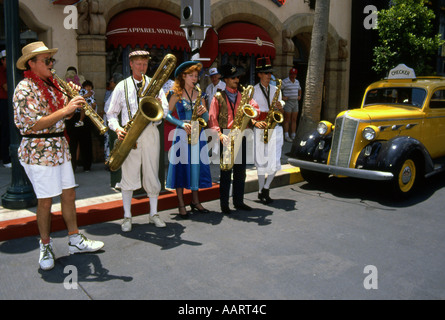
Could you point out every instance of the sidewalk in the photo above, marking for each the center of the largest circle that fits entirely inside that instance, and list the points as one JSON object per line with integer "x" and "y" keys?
{"x": 98, "y": 202}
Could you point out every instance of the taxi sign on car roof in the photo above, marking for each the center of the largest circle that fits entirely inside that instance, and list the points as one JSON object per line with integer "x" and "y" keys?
{"x": 401, "y": 72}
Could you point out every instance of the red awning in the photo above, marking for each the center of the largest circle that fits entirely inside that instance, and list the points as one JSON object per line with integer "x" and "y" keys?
{"x": 146, "y": 27}
{"x": 209, "y": 48}
{"x": 245, "y": 38}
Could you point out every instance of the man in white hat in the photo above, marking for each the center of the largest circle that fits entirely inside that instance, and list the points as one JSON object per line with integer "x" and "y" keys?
{"x": 40, "y": 110}
{"x": 216, "y": 85}
{"x": 124, "y": 105}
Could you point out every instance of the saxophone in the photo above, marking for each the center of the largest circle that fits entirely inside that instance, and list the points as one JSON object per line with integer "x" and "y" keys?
{"x": 149, "y": 110}
{"x": 274, "y": 116}
{"x": 89, "y": 112}
{"x": 242, "y": 118}
{"x": 196, "y": 122}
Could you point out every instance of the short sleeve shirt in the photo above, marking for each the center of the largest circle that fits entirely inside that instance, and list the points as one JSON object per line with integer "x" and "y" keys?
{"x": 29, "y": 107}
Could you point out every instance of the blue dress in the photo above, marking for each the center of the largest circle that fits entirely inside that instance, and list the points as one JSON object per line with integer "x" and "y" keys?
{"x": 188, "y": 164}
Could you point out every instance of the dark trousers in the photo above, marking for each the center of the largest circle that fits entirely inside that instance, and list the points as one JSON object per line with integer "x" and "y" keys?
{"x": 80, "y": 136}
{"x": 239, "y": 179}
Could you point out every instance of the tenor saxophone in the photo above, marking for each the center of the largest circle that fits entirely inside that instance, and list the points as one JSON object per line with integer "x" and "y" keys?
{"x": 89, "y": 112}
{"x": 244, "y": 114}
{"x": 149, "y": 110}
{"x": 274, "y": 116}
{"x": 196, "y": 122}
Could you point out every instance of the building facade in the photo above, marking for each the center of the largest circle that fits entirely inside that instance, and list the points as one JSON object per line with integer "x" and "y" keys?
{"x": 285, "y": 29}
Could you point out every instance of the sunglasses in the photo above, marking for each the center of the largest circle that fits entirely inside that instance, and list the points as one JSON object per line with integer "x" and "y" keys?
{"x": 235, "y": 77}
{"x": 48, "y": 61}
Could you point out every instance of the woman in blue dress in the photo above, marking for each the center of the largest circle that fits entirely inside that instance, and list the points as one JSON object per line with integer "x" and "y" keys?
{"x": 188, "y": 163}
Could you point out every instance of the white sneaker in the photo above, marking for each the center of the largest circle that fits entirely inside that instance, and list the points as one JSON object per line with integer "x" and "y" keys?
{"x": 157, "y": 221}
{"x": 79, "y": 243}
{"x": 46, "y": 259}
{"x": 78, "y": 124}
{"x": 7, "y": 165}
{"x": 126, "y": 225}
{"x": 288, "y": 139}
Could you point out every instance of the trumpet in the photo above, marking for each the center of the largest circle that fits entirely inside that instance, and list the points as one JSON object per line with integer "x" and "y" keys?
{"x": 89, "y": 112}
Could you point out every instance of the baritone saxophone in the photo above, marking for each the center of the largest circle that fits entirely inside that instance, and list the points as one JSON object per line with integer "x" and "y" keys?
{"x": 244, "y": 114}
{"x": 89, "y": 111}
{"x": 149, "y": 110}
{"x": 274, "y": 116}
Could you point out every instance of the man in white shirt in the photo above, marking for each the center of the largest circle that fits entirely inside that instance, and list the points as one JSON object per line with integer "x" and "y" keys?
{"x": 267, "y": 155}
{"x": 291, "y": 91}
{"x": 125, "y": 102}
{"x": 216, "y": 85}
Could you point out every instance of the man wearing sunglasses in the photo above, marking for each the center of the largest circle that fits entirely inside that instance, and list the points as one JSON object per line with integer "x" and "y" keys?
{"x": 40, "y": 111}
{"x": 223, "y": 109}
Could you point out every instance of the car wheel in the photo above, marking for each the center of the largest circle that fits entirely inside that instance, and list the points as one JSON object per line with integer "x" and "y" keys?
{"x": 405, "y": 177}
{"x": 314, "y": 176}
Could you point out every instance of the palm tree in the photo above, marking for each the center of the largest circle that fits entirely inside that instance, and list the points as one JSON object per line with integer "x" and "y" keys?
{"x": 313, "y": 95}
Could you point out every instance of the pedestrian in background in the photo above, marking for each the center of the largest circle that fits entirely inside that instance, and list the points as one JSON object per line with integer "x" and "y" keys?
{"x": 291, "y": 92}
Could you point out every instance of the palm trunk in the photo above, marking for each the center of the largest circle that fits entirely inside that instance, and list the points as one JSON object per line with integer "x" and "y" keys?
{"x": 313, "y": 95}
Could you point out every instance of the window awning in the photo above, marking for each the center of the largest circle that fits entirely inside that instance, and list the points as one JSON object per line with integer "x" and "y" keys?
{"x": 245, "y": 38}
{"x": 146, "y": 27}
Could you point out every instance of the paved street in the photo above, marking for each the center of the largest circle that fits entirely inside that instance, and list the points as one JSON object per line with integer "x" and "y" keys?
{"x": 309, "y": 244}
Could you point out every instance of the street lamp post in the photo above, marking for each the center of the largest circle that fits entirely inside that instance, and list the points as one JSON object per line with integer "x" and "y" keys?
{"x": 20, "y": 193}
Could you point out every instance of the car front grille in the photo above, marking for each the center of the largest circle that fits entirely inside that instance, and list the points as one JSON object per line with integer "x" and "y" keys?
{"x": 343, "y": 141}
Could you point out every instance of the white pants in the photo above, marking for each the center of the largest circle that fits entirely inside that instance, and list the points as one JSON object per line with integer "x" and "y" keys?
{"x": 268, "y": 156}
{"x": 146, "y": 155}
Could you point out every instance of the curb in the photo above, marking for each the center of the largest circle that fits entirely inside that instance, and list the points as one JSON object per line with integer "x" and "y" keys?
{"x": 113, "y": 210}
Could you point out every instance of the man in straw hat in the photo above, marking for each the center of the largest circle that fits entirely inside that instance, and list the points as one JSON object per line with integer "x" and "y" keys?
{"x": 40, "y": 110}
{"x": 267, "y": 155}
{"x": 125, "y": 102}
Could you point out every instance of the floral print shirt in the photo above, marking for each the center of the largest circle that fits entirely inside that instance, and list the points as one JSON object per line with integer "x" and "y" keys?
{"x": 29, "y": 106}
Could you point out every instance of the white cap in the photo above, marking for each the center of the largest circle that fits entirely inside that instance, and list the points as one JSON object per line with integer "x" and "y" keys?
{"x": 213, "y": 71}
{"x": 2, "y": 54}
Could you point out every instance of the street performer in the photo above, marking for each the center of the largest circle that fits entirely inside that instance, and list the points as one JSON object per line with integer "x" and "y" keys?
{"x": 267, "y": 155}
{"x": 222, "y": 113}
{"x": 125, "y": 102}
{"x": 40, "y": 111}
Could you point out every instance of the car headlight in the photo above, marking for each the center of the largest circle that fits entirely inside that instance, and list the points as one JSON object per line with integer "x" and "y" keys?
{"x": 324, "y": 128}
{"x": 370, "y": 133}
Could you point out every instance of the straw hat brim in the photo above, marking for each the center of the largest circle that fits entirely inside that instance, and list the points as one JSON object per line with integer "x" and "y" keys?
{"x": 21, "y": 62}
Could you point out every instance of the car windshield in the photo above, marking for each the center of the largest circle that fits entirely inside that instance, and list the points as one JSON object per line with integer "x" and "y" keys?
{"x": 404, "y": 96}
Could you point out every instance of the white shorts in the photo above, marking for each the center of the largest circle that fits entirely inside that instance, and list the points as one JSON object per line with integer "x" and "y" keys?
{"x": 49, "y": 181}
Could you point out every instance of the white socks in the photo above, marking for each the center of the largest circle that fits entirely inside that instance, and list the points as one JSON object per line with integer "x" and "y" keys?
{"x": 153, "y": 206}
{"x": 265, "y": 183}
{"x": 127, "y": 195}
{"x": 269, "y": 180}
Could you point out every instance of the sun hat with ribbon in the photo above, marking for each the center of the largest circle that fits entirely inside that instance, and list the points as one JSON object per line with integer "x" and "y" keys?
{"x": 30, "y": 51}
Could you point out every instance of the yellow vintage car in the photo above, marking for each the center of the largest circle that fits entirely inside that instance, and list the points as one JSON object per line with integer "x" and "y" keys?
{"x": 398, "y": 135}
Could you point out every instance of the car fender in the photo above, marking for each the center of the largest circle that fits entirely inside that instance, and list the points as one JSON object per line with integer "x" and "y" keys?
{"x": 308, "y": 147}
{"x": 396, "y": 150}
